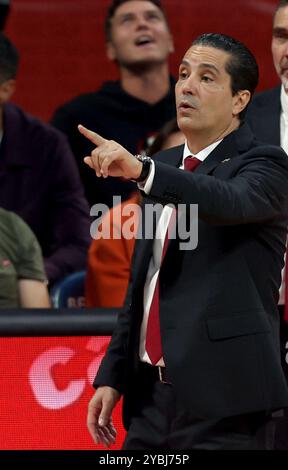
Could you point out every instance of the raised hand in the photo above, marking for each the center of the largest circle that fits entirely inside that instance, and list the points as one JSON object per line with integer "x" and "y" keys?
{"x": 109, "y": 158}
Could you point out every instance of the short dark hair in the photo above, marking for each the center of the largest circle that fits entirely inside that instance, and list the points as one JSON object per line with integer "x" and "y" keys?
{"x": 4, "y": 13}
{"x": 116, "y": 4}
{"x": 281, "y": 4}
{"x": 9, "y": 59}
{"x": 242, "y": 66}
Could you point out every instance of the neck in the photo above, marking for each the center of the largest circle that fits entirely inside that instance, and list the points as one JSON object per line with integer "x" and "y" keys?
{"x": 197, "y": 142}
{"x": 149, "y": 85}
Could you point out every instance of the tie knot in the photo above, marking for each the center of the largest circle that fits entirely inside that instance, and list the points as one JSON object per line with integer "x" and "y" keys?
{"x": 191, "y": 163}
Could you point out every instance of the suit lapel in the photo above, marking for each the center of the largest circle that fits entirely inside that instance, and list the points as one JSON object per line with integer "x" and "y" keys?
{"x": 144, "y": 248}
{"x": 171, "y": 157}
{"x": 234, "y": 144}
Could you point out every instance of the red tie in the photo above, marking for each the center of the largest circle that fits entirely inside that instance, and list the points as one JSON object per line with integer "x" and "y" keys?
{"x": 153, "y": 337}
{"x": 191, "y": 163}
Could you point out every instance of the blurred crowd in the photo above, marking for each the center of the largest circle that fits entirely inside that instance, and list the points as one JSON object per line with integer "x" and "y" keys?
{"x": 49, "y": 193}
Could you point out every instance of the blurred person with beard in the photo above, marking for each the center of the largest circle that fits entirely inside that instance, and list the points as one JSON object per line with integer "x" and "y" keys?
{"x": 268, "y": 112}
{"x": 267, "y": 115}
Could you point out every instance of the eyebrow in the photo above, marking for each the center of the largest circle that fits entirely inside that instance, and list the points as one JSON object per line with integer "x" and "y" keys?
{"x": 132, "y": 13}
{"x": 203, "y": 65}
{"x": 279, "y": 30}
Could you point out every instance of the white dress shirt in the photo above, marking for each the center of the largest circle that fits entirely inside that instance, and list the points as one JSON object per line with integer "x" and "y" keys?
{"x": 155, "y": 262}
{"x": 284, "y": 145}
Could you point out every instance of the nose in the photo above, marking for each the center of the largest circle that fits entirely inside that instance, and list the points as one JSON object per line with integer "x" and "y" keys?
{"x": 189, "y": 86}
{"x": 285, "y": 49}
{"x": 141, "y": 22}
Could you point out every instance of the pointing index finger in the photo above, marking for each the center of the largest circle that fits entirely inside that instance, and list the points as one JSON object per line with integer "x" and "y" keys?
{"x": 92, "y": 136}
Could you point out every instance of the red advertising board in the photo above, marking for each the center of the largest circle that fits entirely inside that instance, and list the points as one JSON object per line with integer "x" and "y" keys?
{"x": 45, "y": 386}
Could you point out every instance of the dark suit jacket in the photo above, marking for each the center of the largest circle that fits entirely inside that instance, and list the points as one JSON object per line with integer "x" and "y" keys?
{"x": 218, "y": 303}
{"x": 39, "y": 181}
{"x": 263, "y": 116}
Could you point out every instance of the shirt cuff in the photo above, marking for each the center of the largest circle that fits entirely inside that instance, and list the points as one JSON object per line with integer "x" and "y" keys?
{"x": 146, "y": 186}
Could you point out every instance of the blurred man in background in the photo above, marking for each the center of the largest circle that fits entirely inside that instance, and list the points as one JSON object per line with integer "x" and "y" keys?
{"x": 39, "y": 179}
{"x": 268, "y": 117}
{"x": 132, "y": 109}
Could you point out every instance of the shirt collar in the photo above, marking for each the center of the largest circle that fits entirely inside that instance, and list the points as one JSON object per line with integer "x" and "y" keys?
{"x": 284, "y": 103}
{"x": 202, "y": 154}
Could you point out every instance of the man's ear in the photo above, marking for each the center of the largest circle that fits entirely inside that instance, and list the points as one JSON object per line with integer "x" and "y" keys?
{"x": 7, "y": 89}
{"x": 240, "y": 101}
{"x": 110, "y": 51}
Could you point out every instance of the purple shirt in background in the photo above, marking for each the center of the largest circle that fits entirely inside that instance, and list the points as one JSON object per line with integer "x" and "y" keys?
{"x": 39, "y": 181}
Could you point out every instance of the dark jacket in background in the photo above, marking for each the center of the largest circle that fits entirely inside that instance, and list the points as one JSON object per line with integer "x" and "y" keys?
{"x": 40, "y": 182}
{"x": 263, "y": 116}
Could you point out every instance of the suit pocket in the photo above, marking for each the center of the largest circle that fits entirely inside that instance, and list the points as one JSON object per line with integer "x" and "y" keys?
{"x": 238, "y": 325}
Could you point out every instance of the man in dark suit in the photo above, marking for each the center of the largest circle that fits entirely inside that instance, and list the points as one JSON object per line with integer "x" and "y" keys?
{"x": 267, "y": 112}
{"x": 268, "y": 117}
{"x": 208, "y": 375}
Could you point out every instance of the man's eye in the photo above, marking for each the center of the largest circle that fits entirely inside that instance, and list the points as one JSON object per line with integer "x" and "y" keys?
{"x": 153, "y": 16}
{"x": 126, "y": 19}
{"x": 207, "y": 79}
{"x": 182, "y": 75}
{"x": 280, "y": 37}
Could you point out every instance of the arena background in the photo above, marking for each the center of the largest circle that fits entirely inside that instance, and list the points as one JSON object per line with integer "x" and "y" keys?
{"x": 45, "y": 382}
{"x": 62, "y": 46}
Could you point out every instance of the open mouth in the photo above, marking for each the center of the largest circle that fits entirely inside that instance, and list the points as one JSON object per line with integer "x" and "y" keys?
{"x": 284, "y": 71}
{"x": 144, "y": 41}
{"x": 185, "y": 105}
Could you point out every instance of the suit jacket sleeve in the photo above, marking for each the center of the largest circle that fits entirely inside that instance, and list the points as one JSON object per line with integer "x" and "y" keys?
{"x": 253, "y": 190}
